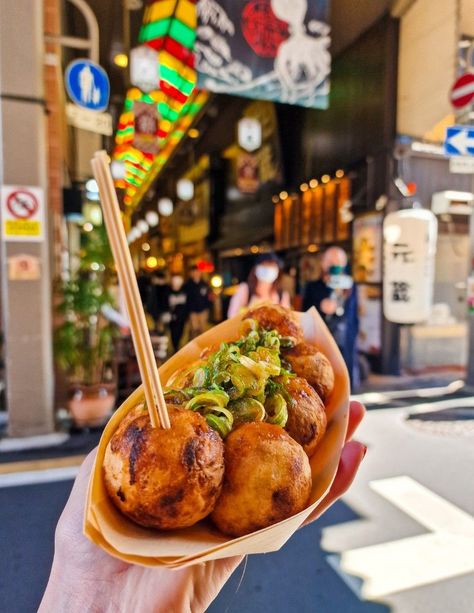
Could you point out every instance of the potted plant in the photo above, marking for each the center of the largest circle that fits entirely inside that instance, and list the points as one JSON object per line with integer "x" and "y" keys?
{"x": 83, "y": 341}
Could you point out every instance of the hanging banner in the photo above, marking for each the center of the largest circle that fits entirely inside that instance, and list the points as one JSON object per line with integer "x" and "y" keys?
{"x": 265, "y": 49}
{"x": 409, "y": 265}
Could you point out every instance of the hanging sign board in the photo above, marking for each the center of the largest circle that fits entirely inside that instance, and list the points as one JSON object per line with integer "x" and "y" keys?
{"x": 409, "y": 263}
{"x": 265, "y": 50}
{"x": 145, "y": 137}
{"x": 144, "y": 68}
{"x": 92, "y": 121}
{"x": 22, "y": 213}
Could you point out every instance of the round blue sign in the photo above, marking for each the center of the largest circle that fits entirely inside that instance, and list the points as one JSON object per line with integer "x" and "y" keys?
{"x": 88, "y": 85}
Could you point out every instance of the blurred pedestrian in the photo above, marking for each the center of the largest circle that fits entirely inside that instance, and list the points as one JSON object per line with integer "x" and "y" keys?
{"x": 197, "y": 302}
{"x": 178, "y": 312}
{"x": 158, "y": 301}
{"x": 262, "y": 286}
{"x": 335, "y": 297}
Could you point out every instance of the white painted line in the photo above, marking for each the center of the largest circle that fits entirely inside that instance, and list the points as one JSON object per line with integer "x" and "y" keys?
{"x": 33, "y": 442}
{"x": 32, "y": 477}
{"x": 424, "y": 506}
{"x": 424, "y": 392}
{"x": 446, "y": 552}
{"x": 403, "y": 565}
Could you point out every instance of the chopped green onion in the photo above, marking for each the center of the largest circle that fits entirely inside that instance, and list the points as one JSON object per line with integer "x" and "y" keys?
{"x": 214, "y": 398}
{"x": 247, "y": 409}
{"x": 277, "y": 410}
{"x": 220, "y": 424}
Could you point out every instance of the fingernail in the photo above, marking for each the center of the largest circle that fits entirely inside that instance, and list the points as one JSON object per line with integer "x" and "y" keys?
{"x": 364, "y": 451}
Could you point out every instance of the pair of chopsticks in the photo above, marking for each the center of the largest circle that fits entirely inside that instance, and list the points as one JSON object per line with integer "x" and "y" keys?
{"x": 155, "y": 400}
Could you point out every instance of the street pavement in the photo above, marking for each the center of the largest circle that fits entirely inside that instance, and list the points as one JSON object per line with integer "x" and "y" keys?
{"x": 402, "y": 539}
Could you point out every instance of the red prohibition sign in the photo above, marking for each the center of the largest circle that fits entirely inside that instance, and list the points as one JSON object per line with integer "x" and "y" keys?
{"x": 22, "y": 204}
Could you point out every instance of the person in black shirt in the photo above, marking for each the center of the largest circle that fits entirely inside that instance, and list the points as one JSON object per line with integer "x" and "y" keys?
{"x": 337, "y": 306}
{"x": 158, "y": 301}
{"x": 197, "y": 302}
{"x": 178, "y": 313}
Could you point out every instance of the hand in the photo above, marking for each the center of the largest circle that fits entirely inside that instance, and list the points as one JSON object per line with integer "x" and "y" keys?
{"x": 86, "y": 579}
{"x": 328, "y": 306}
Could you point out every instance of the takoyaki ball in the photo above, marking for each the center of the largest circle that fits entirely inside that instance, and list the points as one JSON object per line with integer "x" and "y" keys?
{"x": 160, "y": 478}
{"x": 267, "y": 479}
{"x": 306, "y": 361}
{"x": 275, "y": 317}
{"x": 306, "y": 415}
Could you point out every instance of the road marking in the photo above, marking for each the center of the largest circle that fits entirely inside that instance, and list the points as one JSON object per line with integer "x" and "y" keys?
{"x": 426, "y": 392}
{"x": 32, "y": 477}
{"x": 30, "y": 465}
{"x": 446, "y": 552}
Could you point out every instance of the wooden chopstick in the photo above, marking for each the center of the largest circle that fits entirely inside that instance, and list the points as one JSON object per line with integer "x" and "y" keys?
{"x": 141, "y": 337}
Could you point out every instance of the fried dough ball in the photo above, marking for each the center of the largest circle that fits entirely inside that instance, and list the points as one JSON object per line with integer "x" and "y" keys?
{"x": 160, "y": 478}
{"x": 267, "y": 479}
{"x": 307, "y": 362}
{"x": 306, "y": 416}
{"x": 275, "y": 317}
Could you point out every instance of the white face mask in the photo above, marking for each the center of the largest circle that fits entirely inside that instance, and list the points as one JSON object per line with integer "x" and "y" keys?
{"x": 267, "y": 274}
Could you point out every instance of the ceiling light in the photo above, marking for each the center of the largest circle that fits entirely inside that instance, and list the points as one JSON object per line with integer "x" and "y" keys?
{"x": 325, "y": 179}
{"x": 193, "y": 133}
{"x": 304, "y": 187}
{"x": 313, "y": 183}
{"x": 146, "y": 246}
{"x": 283, "y": 195}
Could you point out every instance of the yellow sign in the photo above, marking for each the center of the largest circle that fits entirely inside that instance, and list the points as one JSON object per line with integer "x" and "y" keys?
{"x": 22, "y": 228}
{"x": 22, "y": 213}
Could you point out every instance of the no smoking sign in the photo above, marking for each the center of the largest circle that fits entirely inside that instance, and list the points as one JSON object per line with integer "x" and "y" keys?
{"x": 22, "y": 212}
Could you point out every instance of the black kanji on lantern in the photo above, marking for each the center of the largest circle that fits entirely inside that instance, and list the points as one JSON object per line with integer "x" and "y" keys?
{"x": 400, "y": 291}
{"x": 403, "y": 252}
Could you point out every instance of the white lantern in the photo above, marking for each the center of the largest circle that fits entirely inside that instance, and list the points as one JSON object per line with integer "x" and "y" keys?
{"x": 409, "y": 264}
{"x": 249, "y": 133}
{"x": 152, "y": 218}
{"x": 142, "y": 226}
{"x": 144, "y": 68}
{"x": 117, "y": 169}
{"x": 165, "y": 207}
{"x": 185, "y": 189}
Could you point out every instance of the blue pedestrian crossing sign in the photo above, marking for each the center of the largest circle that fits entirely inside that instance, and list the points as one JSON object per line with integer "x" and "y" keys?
{"x": 459, "y": 140}
{"x": 88, "y": 85}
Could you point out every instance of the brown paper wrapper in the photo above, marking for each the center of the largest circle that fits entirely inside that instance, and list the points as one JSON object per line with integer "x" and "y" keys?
{"x": 105, "y": 526}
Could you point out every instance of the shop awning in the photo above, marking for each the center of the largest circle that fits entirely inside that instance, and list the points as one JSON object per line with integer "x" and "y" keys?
{"x": 242, "y": 239}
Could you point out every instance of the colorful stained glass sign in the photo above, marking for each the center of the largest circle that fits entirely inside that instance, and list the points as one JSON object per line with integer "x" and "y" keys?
{"x": 265, "y": 49}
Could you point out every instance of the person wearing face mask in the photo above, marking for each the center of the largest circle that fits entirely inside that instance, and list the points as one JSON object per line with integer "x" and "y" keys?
{"x": 178, "y": 312}
{"x": 335, "y": 297}
{"x": 262, "y": 286}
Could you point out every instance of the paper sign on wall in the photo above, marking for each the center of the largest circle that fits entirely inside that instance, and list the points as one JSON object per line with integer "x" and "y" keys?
{"x": 22, "y": 213}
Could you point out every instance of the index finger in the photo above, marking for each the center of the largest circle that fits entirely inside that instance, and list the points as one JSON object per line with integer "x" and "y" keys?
{"x": 356, "y": 415}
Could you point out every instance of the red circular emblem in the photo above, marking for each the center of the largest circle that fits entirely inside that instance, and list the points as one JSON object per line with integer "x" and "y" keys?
{"x": 262, "y": 30}
{"x": 22, "y": 204}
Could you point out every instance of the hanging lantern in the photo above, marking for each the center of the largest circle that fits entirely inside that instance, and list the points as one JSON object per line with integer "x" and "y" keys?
{"x": 185, "y": 189}
{"x": 152, "y": 218}
{"x": 249, "y": 134}
{"x": 409, "y": 262}
{"x": 165, "y": 207}
{"x": 144, "y": 68}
